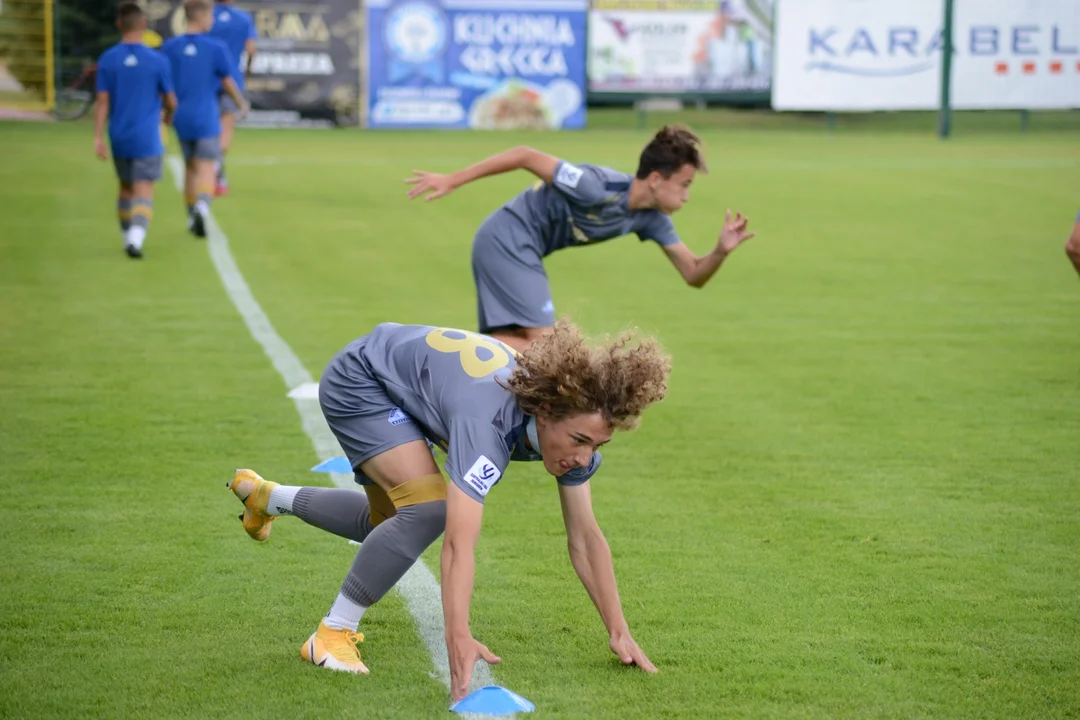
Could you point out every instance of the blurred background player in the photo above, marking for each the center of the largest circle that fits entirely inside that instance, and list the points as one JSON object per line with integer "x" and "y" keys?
{"x": 1072, "y": 247}
{"x": 388, "y": 392}
{"x": 132, "y": 79}
{"x": 236, "y": 29}
{"x": 574, "y": 205}
{"x": 200, "y": 67}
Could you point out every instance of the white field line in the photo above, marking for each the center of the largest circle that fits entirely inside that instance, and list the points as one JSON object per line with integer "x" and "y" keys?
{"x": 418, "y": 587}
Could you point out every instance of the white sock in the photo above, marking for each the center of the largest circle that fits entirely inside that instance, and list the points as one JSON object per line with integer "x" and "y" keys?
{"x": 344, "y": 614}
{"x": 135, "y": 236}
{"x": 281, "y": 500}
{"x": 202, "y": 208}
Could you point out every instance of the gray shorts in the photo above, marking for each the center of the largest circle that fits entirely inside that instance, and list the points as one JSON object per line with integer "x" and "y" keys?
{"x": 511, "y": 284}
{"x": 226, "y": 105}
{"x": 201, "y": 149}
{"x": 133, "y": 170}
{"x": 363, "y": 418}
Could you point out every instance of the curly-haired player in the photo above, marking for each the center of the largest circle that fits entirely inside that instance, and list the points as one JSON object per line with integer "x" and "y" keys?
{"x": 573, "y": 205}
{"x": 389, "y": 392}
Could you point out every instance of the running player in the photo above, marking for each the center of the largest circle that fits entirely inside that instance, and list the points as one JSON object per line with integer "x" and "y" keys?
{"x": 200, "y": 66}
{"x": 131, "y": 82}
{"x": 575, "y": 205}
{"x": 385, "y": 394}
{"x": 1072, "y": 247}
{"x": 236, "y": 29}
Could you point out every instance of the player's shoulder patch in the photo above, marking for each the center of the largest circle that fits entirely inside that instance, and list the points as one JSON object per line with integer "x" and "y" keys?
{"x": 569, "y": 175}
{"x": 483, "y": 475}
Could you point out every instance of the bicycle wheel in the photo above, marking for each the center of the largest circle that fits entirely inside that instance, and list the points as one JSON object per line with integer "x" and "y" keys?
{"x": 72, "y": 104}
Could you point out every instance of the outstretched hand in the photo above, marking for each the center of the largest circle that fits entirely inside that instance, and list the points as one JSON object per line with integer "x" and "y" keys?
{"x": 464, "y": 652}
{"x": 734, "y": 233}
{"x": 628, "y": 651}
{"x": 434, "y": 184}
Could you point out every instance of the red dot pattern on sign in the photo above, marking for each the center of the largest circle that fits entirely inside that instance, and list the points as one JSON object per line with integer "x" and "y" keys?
{"x": 1055, "y": 67}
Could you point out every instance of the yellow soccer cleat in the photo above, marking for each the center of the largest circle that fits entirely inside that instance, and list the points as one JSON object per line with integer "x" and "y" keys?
{"x": 334, "y": 649}
{"x": 254, "y": 492}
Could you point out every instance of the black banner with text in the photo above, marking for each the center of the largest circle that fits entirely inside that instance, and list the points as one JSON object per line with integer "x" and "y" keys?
{"x": 307, "y": 65}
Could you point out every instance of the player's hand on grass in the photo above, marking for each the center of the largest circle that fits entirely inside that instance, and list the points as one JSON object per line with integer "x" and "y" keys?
{"x": 628, "y": 651}
{"x": 734, "y": 233}
{"x": 433, "y": 183}
{"x": 100, "y": 150}
{"x": 464, "y": 652}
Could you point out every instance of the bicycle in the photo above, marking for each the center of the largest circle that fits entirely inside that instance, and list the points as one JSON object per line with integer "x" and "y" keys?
{"x": 75, "y": 100}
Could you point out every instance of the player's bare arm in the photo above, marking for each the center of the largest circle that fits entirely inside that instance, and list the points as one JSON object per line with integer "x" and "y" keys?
{"x": 463, "y": 520}
{"x": 101, "y": 115}
{"x": 229, "y": 85}
{"x": 249, "y": 50}
{"x": 591, "y": 557}
{"x": 169, "y": 103}
{"x": 436, "y": 185}
{"x": 698, "y": 270}
{"x": 1072, "y": 246}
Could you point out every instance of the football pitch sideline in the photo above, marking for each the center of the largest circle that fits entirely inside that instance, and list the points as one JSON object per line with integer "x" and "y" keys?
{"x": 860, "y": 499}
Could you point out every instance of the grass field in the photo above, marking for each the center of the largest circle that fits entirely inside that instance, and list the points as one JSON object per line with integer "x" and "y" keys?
{"x": 861, "y": 498}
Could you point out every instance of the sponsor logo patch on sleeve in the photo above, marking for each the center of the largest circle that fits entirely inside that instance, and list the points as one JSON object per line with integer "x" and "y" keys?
{"x": 568, "y": 175}
{"x": 398, "y": 417}
{"x": 483, "y": 475}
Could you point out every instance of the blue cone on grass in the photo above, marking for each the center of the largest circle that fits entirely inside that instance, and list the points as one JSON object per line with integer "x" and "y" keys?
{"x": 334, "y": 465}
{"x": 492, "y": 700}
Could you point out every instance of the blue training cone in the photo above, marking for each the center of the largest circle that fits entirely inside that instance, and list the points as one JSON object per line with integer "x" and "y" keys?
{"x": 492, "y": 700}
{"x": 334, "y": 465}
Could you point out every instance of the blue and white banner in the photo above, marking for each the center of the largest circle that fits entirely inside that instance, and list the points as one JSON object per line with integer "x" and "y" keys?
{"x": 480, "y": 64}
{"x": 886, "y": 55}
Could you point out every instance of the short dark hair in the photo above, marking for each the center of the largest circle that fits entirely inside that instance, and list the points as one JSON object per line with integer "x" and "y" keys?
{"x": 669, "y": 150}
{"x": 195, "y": 8}
{"x": 129, "y": 15}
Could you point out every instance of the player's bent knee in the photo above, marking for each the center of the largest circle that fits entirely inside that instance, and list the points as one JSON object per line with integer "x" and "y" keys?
{"x": 426, "y": 493}
{"x": 417, "y": 526}
{"x": 425, "y": 489}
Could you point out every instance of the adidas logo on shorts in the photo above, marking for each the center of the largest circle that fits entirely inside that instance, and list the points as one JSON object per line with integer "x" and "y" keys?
{"x": 397, "y": 417}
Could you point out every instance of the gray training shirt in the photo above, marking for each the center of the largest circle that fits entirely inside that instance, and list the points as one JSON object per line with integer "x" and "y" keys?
{"x": 586, "y": 204}
{"x": 446, "y": 381}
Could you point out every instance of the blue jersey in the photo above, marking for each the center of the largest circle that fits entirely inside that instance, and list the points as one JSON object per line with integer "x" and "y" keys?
{"x": 198, "y": 62}
{"x": 585, "y": 204}
{"x": 135, "y": 77}
{"x": 234, "y": 27}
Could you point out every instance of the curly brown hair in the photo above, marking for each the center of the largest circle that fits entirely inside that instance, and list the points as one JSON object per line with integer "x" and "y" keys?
{"x": 669, "y": 150}
{"x": 560, "y": 375}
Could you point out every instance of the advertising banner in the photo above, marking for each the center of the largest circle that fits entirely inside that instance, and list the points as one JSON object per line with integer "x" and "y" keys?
{"x": 884, "y": 55}
{"x": 307, "y": 66}
{"x": 1016, "y": 54}
{"x": 704, "y": 47}
{"x": 476, "y": 64}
